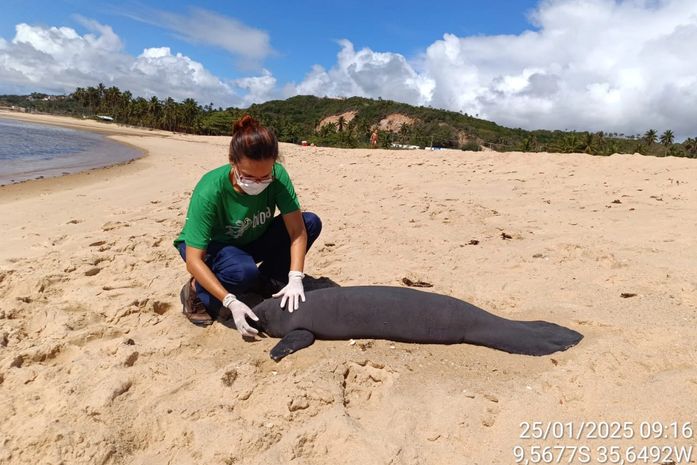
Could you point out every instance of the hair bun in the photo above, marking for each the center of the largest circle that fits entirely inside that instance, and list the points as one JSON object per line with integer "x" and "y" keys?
{"x": 252, "y": 140}
{"x": 245, "y": 123}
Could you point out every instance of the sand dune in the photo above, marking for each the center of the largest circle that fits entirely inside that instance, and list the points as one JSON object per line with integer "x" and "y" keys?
{"x": 98, "y": 365}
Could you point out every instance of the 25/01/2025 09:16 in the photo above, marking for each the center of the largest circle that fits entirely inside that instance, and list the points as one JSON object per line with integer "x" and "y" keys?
{"x": 590, "y": 430}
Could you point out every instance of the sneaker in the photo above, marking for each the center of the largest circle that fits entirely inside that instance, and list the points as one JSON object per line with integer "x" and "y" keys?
{"x": 193, "y": 308}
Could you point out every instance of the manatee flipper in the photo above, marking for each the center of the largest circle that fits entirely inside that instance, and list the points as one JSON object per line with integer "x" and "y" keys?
{"x": 292, "y": 342}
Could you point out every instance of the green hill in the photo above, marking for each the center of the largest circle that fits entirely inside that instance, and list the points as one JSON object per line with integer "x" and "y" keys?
{"x": 345, "y": 122}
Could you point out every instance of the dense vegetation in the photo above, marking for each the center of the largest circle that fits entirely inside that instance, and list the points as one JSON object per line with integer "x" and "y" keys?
{"x": 298, "y": 118}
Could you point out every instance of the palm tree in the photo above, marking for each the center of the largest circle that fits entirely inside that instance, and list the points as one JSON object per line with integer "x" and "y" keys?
{"x": 690, "y": 145}
{"x": 529, "y": 144}
{"x": 601, "y": 142}
{"x": 155, "y": 112}
{"x": 569, "y": 143}
{"x": 100, "y": 90}
{"x": 327, "y": 129}
{"x": 587, "y": 143}
{"x": 81, "y": 96}
{"x": 676, "y": 151}
{"x": 667, "y": 138}
{"x": 189, "y": 110}
{"x": 93, "y": 98}
{"x": 112, "y": 95}
{"x": 650, "y": 136}
{"x": 352, "y": 140}
{"x": 140, "y": 111}
{"x": 124, "y": 106}
{"x": 170, "y": 119}
{"x": 404, "y": 133}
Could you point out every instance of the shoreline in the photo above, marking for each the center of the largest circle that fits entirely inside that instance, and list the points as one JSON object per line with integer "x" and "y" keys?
{"x": 110, "y": 136}
{"x": 72, "y": 180}
{"x": 113, "y": 129}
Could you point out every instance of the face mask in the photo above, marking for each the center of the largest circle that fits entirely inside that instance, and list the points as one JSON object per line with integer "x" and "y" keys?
{"x": 251, "y": 187}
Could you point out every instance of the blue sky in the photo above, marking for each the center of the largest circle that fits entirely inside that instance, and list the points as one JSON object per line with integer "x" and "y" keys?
{"x": 613, "y": 65}
{"x": 302, "y": 33}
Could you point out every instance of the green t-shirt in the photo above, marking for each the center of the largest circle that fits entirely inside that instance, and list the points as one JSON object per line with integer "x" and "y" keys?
{"x": 219, "y": 213}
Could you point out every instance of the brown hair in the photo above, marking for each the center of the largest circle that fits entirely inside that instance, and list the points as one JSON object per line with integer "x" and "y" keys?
{"x": 252, "y": 140}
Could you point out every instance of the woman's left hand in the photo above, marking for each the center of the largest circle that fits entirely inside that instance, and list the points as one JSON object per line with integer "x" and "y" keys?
{"x": 293, "y": 291}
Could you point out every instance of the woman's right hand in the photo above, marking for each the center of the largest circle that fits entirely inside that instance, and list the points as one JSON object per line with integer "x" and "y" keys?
{"x": 205, "y": 277}
{"x": 240, "y": 311}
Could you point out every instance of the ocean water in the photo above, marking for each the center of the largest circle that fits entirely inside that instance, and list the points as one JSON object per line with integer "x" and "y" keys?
{"x": 31, "y": 151}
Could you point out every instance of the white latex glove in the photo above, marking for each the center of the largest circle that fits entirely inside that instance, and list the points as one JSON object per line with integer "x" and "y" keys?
{"x": 293, "y": 291}
{"x": 239, "y": 310}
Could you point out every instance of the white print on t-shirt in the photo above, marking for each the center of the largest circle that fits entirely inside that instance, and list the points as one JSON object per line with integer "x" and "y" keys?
{"x": 238, "y": 229}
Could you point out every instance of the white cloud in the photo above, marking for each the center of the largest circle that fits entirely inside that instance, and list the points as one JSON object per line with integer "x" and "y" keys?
{"x": 259, "y": 88}
{"x": 59, "y": 59}
{"x": 369, "y": 74}
{"x": 176, "y": 76}
{"x": 200, "y": 26}
{"x": 609, "y": 65}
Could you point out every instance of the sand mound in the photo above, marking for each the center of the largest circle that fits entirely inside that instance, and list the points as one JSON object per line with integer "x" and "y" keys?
{"x": 348, "y": 116}
{"x": 394, "y": 121}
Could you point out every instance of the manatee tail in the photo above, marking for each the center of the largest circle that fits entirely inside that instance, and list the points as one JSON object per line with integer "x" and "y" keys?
{"x": 525, "y": 337}
{"x": 292, "y": 342}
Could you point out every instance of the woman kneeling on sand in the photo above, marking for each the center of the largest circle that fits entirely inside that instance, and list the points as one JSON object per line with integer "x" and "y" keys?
{"x": 230, "y": 227}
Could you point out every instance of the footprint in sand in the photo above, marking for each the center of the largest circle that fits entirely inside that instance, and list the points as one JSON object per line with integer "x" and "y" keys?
{"x": 41, "y": 354}
{"x": 305, "y": 447}
{"x": 111, "y": 225}
{"x": 106, "y": 392}
{"x": 490, "y": 417}
{"x": 612, "y": 362}
{"x": 298, "y": 403}
{"x": 46, "y": 284}
{"x": 364, "y": 381}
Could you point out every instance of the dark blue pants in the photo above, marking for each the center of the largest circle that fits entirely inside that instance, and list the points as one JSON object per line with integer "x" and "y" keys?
{"x": 236, "y": 267}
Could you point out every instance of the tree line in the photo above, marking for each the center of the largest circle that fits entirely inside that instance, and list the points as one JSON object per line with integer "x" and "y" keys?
{"x": 298, "y": 119}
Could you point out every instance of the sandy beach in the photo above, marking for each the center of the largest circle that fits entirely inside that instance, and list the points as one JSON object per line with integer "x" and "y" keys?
{"x": 99, "y": 366}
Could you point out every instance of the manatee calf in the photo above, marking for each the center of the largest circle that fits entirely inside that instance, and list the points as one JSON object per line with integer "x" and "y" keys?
{"x": 403, "y": 315}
